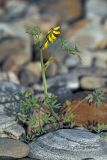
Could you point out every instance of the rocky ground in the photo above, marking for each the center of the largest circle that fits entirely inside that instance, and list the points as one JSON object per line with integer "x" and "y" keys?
{"x": 84, "y": 23}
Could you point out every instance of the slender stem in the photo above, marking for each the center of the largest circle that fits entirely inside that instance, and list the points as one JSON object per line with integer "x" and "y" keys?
{"x": 75, "y": 107}
{"x": 43, "y": 74}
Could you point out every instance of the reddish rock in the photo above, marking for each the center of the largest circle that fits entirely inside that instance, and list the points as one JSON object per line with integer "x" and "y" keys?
{"x": 85, "y": 112}
{"x": 64, "y": 10}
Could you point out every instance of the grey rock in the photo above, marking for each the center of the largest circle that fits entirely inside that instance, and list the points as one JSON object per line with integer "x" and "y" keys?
{"x": 13, "y": 148}
{"x": 69, "y": 144}
{"x": 71, "y": 61}
{"x": 9, "y": 76}
{"x": 27, "y": 77}
{"x": 90, "y": 71}
{"x": 5, "y": 31}
{"x": 96, "y": 9}
{"x": 62, "y": 92}
{"x": 89, "y": 36}
{"x": 100, "y": 59}
{"x": 9, "y": 107}
{"x": 69, "y": 80}
{"x": 15, "y": 9}
{"x": 8, "y": 103}
{"x": 5, "y": 121}
{"x": 28, "y": 159}
{"x": 9, "y": 127}
{"x": 14, "y": 131}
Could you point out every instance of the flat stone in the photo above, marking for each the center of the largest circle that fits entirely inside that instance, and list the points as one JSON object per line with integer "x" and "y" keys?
{"x": 6, "y": 121}
{"x": 69, "y": 80}
{"x": 92, "y": 82}
{"x": 90, "y": 71}
{"x": 13, "y": 148}
{"x": 14, "y": 131}
{"x": 69, "y": 144}
{"x": 9, "y": 76}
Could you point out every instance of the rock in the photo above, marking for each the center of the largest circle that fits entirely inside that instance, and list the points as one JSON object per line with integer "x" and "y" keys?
{"x": 14, "y": 131}
{"x": 5, "y": 121}
{"x": 100, "y": 59}
{"x": 27, "y": 159}
{"x": 9, "y": 76}
{"x": 96, "y": 9}
{"x": 89, "y": 36}
{"x": 63, "y": 10}
{"x": 15, "y": 9}
{"x": 92, "y": 82}
{"x": 86, "y": 115}
{"x": 2, "y": 3}
{"x": 9, "y": 127}
{"x": 8, "y": 104}
{"x": 27, "y": 77}
{"x": 71, "y": 61}
{"x": 5, "y": 31}
{"x": 68, "y": 144}
{"x": 13, "y": 148}
{"x": 34, "y": 67}
{"x": 62, "y": 92}
{"x": 17, "y": 48}
{"x": 90, "y": 71}
{"x": 68, "y": 80}
{"x": 86, "y": 58}
{"x": 52, "y": 70}
{"x": 63, "y": 69}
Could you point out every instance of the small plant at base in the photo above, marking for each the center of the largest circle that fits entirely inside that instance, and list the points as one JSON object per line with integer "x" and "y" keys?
{"x": 100, "y": 128}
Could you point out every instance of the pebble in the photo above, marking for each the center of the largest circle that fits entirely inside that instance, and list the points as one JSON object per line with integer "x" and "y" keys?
{"x": 9, "y": 76}
{"x": 27, "y": 77}
{"x": 34, "y": 67}
{"x": 92, "y": 82}
{"x": 69, "y": 144}
{"x": 13, "y": 148}
{"x": 69, "y": 80}
{"x": 71, "y": 61}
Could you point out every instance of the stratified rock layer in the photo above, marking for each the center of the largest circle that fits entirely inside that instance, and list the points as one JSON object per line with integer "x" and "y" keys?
{"x": 68, "y": 144}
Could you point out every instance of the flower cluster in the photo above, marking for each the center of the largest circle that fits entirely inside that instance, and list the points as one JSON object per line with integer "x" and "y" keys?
{"x": 51, "y": 36}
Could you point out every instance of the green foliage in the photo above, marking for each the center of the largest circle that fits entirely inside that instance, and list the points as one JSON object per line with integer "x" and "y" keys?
{"x": 49, "y": 119}
{"x": 51, "y": 101}
{"x": 100, "y": 128}
{"x": 28, "y": 104}
{"x": 97, "y": 96}
{"x": 69, "y": 118}
{"x": 27, "y": 138}
{"x": 68, "y": 47}
{"x": 35, "y": 31}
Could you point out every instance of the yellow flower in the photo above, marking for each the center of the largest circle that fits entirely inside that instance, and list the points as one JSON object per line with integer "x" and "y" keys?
{"x": 52, "y": 36}
{"x": 46, "y": 45}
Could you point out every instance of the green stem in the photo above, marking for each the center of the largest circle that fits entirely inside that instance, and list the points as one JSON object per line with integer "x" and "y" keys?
{"x": 43, "y": 74}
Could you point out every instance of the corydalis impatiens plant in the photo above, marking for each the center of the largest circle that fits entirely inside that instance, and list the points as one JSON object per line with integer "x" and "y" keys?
{"x": 52, "y": 35}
